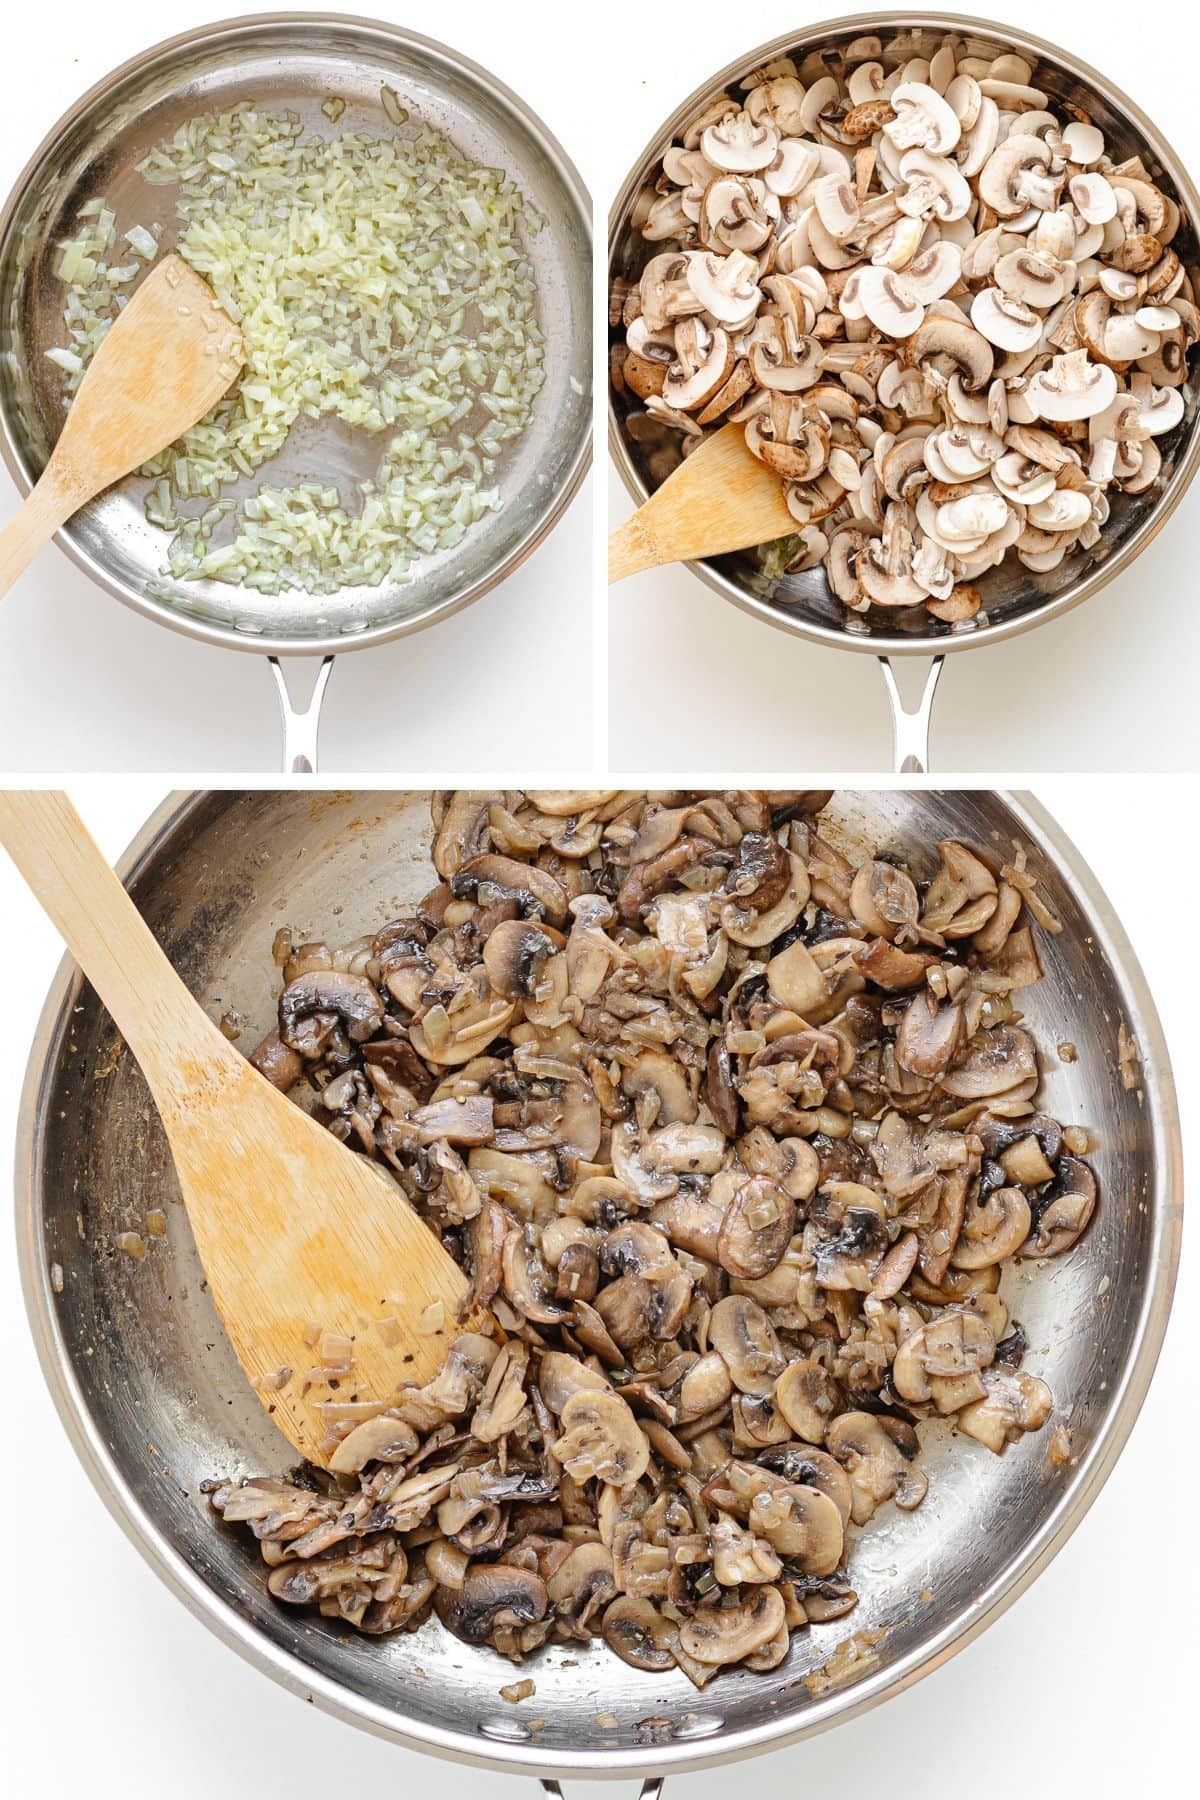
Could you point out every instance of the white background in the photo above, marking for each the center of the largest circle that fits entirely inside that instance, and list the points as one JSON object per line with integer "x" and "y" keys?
{"x": 1084, "y": 1690}
{"x": 86, "y": 683}
{"x": 1111, "y": 686}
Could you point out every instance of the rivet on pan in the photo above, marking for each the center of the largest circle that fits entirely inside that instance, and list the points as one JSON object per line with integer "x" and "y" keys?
{"x": 698, "y": 1725}
{"x": 509, "y": 1731}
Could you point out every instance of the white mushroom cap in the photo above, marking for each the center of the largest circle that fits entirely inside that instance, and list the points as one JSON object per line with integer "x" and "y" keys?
{"x": 1084, "y": 144}
{"x": 1157, "y": 318}
{"x": 725, "y": 286}
{"x": 923, "y": 119}
{"x": 836, "y": 205}
{"x": 1126, "y": 338}
{"x": 965, "y": 98}
{"x": 890, "y": 302}
{"x": 1066, "y": 509}
{"x": 934, "y": 272}
{"x": 1054, "y": 236}
{"x": 935, "y": 185}
{"x": 739, "y": 145}
{"x": 1073, "y": 387}
{"x": 796, "y": 163}
{"x": 1031, "y": 278}
{"x": 962, "y": 453}
{"x": 1163, "y": 411}
{"x": 1094, "y": 200}
{"x": 1004, "y": 321}
{"x": 1021, "y": 480}
{"x": 973, "y": 517}
{"x": 898, "y": 243}
{"x": 978, "y": 143}
{"x": 1119, "y": 284}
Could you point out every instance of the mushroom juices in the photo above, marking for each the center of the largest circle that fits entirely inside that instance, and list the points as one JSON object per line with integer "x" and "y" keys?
{"x": 948, "y": 315}
{"x": 734, "y": 1138}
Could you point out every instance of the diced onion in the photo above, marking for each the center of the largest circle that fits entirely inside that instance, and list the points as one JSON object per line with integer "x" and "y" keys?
{"x": 383, "y": 282}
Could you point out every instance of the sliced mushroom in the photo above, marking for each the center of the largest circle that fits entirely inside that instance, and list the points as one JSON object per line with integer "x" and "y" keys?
{"x": 1061, "y": 1212}
{"x": 942, "y": 1360}
{"x": 808, "y": 1397}
{"x": 601, "y": 1440}
{"x": 720, "y": 1635}
{"x": 741, "y": 1332}
{"x": 994, "y": 1227}
{"x": 1013, "y": 1403}
{"x": 877, "y": 1453}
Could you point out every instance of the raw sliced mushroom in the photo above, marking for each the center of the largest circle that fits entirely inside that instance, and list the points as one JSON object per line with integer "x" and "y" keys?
{"x": 877, "y": 254}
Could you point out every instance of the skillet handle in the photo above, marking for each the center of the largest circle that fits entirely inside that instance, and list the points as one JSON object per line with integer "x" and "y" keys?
{"x": 651, "y": 1788}
{"x": 910, "y": 730}
{"x": 300, "y": 726}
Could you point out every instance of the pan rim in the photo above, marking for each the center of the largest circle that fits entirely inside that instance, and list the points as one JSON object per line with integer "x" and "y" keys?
{"x": 336, "y": 643}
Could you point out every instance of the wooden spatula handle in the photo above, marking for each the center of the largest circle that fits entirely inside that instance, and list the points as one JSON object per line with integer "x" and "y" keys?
{"x": 171, "y": 1036}
{"x": 35, "y": 522}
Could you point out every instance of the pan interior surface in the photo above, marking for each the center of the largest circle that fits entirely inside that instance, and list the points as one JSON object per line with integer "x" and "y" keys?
{"x": 157, "y": 1402}
{"x": 295, "y": 63}
{"x": 1012, "y": 596}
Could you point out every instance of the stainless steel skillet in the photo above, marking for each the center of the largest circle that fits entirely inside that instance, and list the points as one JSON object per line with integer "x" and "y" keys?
{"x": 296, "y": 60}
{"x": 148, "y": 1387}
{"x": 1014, "y": 598}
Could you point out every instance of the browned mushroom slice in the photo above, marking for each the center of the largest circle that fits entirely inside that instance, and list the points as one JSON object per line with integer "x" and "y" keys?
{"x": 719, "y": 1091}
{"x": 492, "y": 1597}
{"x": 961, "y": 883}
{"x": 744, "y": 925}
{"x": 601, "y": 1440}
{"x": 759, "y": 878}
{"x": 941, "y": 1361}
{"x": 465, "y": 1121}
{"x": 382, "y": 1439}
{"x": 741, "y": 1332}
{"x": 929, "y": 1037}
{"x": 282, "y": 1066}
{"x": 542, "y": 892}
{"x": 446, "y": 1038}
{"x": 462, "y": 832}
{"x": 756, "y": 1229}
{"x": 527, "y": 1282}
{"x": 809, "y": 1399}
{"x": 581, "y": 1588}
{"x": 513, "y": 956}
{"x": 999, "y": 1060}
{"x": 1013, "y": 1403}
{"x": 994, "y": 1227}
{"x": 739, "y": 1557}
{"x": 640, "y": 1634}
{"x": 720, "y": 1635}
{"x": 802, "y": 1524}
{"x": 849, "y": 1259}
{"x": 800, "y": 1465}
{"x": 877, "y": 1453}
{"x": 314, "y": 1003}
{"x": 883, "y": 898}
{"x": 938, "y": 1236}
{"x": 1061, "y": 1212}
{"x": 662, "y": 1075}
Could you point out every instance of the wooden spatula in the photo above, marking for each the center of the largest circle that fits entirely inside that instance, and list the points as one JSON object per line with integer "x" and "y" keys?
{"x": 164, "y": 361}
{"x": 295, "y": 1232}
{"x": 720, "y": 498}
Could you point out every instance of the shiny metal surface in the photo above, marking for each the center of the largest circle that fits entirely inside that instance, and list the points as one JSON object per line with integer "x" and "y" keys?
{"x": 295, "y": 60}
{"x": 154, "y": 1400}
{"x": 1014, "y": 598}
